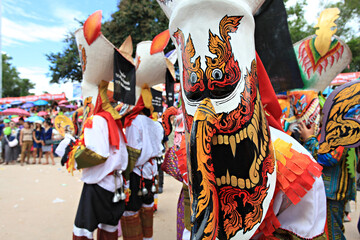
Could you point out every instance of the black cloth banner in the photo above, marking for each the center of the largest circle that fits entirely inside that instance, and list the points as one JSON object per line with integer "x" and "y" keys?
{"x": 169, "y": 85}
{"x": 124, "y": 79}
{"x": 157, "y": 100}
{"x": 274, "y": 46}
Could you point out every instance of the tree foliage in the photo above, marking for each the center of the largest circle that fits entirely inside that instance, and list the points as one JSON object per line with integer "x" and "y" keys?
{"x": 12, "y": 84}
{"x": 142, "y": 19}
{"x": 65, "y": 66}
{"x": 354, "y": 45}
{"x": 299, "y": 28}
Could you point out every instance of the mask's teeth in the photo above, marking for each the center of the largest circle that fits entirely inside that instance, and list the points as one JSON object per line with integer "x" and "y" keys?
{"x": 220, "y": 139}
{"x": 245, "y": 134}
{"x": 234, "y": 181}
{"x": 214, "y": 140}
{"x": 223, "y": 181}
{"x": 226, "y": 140}
{"x": 237, "y": 138}
{"x": 241, "y": 135}
{"x": 227, "y": 177}
{"x": 232, "y": 145}
{"x": 238, "y": 182}
{"x": 241, "y": 183}
{"x": 247, "y": 183}
{"x": 218, "y": 182}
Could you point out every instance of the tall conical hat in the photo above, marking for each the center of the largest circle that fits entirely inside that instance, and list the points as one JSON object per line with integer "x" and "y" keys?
{"x": 151, "y": 63}
{"x": 321, "y": 57}
{"x": 96, "y": 55}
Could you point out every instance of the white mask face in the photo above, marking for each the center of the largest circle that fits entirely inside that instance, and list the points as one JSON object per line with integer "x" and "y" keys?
{"x": 231, "y": 167}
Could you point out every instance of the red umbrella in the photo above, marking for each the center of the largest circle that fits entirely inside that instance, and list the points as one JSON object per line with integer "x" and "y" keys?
{"x": 15, "y": 111}
{"x": 16, "y": 120}
{"x": 42, "y": 113}
{"x": 63, "y": 102}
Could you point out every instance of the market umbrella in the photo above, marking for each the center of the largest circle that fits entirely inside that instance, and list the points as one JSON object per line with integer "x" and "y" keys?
{"x": 63, "y": 102}
{"x": 42, "y": 113}
{"x": 16, "y": 102}
{"x": 15, "y": 111}
{"x": 40, "y": 102}
{"x": 5, "y": 106}
{"x": 27, "y": 105}
{"x": 16, "y": 119}
{"x": 71, "y": 106}
{"x": 34, "y": 119}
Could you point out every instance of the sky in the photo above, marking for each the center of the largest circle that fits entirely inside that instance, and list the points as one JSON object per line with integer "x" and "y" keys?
{"x": 30, "y": 29}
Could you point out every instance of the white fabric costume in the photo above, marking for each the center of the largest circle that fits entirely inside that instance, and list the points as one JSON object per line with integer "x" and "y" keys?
{"x": 97, "y": 140}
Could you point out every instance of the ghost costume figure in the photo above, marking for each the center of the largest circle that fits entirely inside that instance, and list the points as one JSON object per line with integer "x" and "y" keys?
{"x": 100, "y": 151}
{"x": 247, "y": 178}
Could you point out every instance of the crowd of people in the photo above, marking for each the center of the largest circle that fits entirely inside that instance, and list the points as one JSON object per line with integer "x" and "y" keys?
{"x": 23, "y": 139}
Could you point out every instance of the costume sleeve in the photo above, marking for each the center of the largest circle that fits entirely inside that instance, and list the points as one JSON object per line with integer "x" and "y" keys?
{"x": 331, "y": 159}
{"x": 97, "y": 137}
{"x": 312, "y": 145}
{"x": 327, "y": 159}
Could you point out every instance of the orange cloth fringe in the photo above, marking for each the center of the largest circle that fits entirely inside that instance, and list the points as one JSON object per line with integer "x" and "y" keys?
{"x": 295, "y": 178}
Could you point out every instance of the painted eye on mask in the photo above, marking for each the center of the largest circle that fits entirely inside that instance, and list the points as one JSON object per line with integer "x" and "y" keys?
{"x": 217, "y": 74}
{"x": 193, "y": 78}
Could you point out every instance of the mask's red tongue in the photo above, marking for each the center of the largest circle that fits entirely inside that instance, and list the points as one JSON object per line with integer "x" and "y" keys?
{"x": 204, "y": 196}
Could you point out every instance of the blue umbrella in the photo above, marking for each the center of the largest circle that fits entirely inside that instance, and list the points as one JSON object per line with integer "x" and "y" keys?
{"x": 16, "y": 102}
{"x": 40, "y": 102}
{"x": 27, "y": 105}
{"x": 34, "y": 119}
{"x": 5, "y": 106}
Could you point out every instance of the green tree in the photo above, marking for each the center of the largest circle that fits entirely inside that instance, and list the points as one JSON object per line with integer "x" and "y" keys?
{"x": 65, "y": 66}
{"x": 348, "y": 27}
{"x": 299, "y": 28}
{"x": 354, "y": 45}
{"x": 12, "y": 84}
{"x": 142, "y": 19}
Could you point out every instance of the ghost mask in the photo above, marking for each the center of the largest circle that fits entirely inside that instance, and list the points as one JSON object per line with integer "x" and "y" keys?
{"x": 230, "y": 160}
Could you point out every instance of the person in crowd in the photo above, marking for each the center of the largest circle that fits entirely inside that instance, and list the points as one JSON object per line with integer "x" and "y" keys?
{"x": 144, "y": 144}
{"x": 339, "y": 185}
{"x": 2, "y": 125}
{"x": 26, "y": 142}
{"x": 37, "y": 134}
{"x": 57, "y": 137}
{"x": 6, "y": 124}
{"x": 10, "y": 136}
{"x": 21, "y": 123}
{"x": 169, "y": 140}
{"x": 47, "y": 141}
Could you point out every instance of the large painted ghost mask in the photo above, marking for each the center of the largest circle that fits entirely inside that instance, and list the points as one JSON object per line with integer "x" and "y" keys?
{"x": 96, "y": 56}
{"x": 230, "y": 162}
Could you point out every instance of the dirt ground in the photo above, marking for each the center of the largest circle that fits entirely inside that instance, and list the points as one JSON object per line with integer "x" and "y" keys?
{"x": 39, "y": 202}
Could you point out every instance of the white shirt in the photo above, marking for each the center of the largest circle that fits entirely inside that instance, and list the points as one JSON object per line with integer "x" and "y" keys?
{"x": 97, "y": 140}
{"x": 146, "y": 135}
